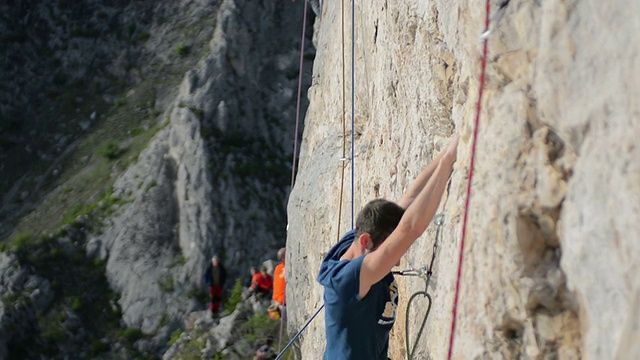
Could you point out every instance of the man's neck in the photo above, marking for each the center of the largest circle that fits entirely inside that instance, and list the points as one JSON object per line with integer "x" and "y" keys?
{"x": 352, "y": 252}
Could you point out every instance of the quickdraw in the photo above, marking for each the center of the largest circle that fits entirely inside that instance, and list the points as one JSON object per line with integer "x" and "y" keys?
{"x": 425, "y": 273}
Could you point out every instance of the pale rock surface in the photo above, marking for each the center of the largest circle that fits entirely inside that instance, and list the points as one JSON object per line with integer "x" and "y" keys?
{"x": 552, "y": 247}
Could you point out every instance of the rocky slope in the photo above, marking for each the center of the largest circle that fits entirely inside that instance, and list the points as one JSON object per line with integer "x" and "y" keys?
{"x": 23, "y": 293}
{"x": 234, "y": 334}
{"x": 69, "y": 71}
{"x": 552, "y": 250}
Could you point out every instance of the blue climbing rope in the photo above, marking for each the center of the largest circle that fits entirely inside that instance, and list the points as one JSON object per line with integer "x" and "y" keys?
{"x": 300, "y": 73}
{"x": 353, "y": 107}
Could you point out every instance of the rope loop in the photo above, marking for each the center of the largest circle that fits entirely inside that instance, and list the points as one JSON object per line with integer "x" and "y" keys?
{"x": 424, "y": 273}
{"x": 411, "y": 352}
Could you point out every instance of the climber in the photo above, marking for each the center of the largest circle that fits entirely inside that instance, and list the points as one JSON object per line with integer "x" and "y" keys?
{"x": 215, "y": 276}
{"x": 360, "y": 293}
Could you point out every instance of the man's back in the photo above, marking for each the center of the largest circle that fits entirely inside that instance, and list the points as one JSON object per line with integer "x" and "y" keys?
{"x": 356, "y": 328}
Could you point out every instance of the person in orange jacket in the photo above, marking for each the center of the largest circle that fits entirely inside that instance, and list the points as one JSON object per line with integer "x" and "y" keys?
{"x": 279, "y": 282}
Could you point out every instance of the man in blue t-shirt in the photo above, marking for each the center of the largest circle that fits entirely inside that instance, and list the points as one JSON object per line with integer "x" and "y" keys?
{"x": 360, "y": 293}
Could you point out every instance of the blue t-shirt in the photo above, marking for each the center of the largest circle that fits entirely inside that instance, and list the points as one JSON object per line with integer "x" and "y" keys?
{"x": 355, "y": 328}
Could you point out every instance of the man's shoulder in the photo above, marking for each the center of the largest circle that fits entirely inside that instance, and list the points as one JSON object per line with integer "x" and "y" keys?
{"x": 341, "y": 267}
{"x": 341, "y": 278}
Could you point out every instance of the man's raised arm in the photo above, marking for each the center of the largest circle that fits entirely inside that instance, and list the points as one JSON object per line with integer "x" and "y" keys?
{"x": 420, "y": 181}
{"x": 414, "y": 222}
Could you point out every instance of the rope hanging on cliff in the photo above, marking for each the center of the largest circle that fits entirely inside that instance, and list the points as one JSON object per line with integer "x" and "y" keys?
{"x": 295, "y": 337}
{"x": 483, "y": 66}
{"x": 295, "y": 135}
{"x": 344, "y": 129}
{"x": 344, "y": 135}
{"x": 425, "y": 273}
{"x": 353, "y": 106}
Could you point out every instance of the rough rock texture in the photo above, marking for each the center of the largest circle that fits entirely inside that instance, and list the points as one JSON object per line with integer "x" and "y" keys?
{"x": 22, "y": 295}
{"x": 141, "y": 248}
{"x": 552, "y": 246}
{"x": 215, "y": 179}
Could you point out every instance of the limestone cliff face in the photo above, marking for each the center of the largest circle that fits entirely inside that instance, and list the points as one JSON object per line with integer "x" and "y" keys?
{"x": 552, "y": 246}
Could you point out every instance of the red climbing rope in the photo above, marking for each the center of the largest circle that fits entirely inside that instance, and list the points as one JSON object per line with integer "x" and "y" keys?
{"x": 483, "y": 65}
{"x": 295, "y": 136}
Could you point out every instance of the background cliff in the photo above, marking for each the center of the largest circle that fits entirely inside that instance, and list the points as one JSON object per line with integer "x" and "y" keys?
{"x": 552, "y": 248}
{"x": 138, "y": 139}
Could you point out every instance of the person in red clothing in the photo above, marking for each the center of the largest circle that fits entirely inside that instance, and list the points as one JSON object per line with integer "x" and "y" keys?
{"x": 261, "y": 282}
{"x": 255, "y": 277}
{"x": 267, "y": 281}
{"x": 279, "y": 283}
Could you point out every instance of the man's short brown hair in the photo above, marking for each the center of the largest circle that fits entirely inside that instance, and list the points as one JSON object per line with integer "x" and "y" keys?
{"x": 378, "y": 218}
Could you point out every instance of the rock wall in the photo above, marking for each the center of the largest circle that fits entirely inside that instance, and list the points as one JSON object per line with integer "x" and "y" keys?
{"x": 552, "y": 245}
